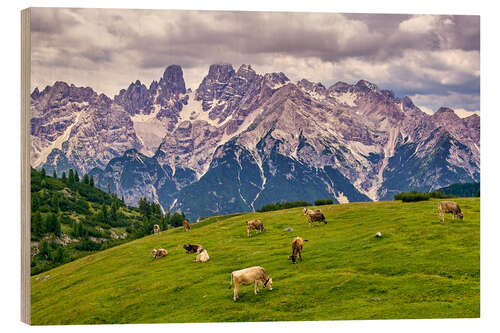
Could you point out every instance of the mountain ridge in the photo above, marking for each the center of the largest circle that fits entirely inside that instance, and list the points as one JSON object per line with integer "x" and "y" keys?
{"x": 282, "y": 130}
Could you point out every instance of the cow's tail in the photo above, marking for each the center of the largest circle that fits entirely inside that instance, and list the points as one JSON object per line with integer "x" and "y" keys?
{"x": 231, "y": 283}
{"x": 306, "y": 240}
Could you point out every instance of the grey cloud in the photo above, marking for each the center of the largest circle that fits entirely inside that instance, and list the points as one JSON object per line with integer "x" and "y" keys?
{"x": 343, "y": 46}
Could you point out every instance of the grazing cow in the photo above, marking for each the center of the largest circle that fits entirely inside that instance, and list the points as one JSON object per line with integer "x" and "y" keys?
{"x": 202, "y": 256}
{"x": 255, "y": 274}
{"x": 297, "y": 245}
{"x": 449, "y": 207}
{"x": 314, "y": 215}
{"x": 255, "y": 225}
{"x": 186, "y": 225}
{"x": 159, "y": 253}
{"x": 192, "y": 248}
{"x": 156, "y": 229}
{"x": 378, "y": 235}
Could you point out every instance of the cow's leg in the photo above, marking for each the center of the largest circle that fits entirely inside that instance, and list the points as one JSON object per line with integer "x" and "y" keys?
{"x": 256, "y": 288}
{"x": 300, "y": 255}
{"x": 235, "y": 293}
{"x": 248, "y": 232}
{"x": 453, "y": 216}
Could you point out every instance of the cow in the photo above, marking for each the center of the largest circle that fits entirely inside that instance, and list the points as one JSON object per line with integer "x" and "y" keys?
{"x": 378, "y": 235}
{"x": 192, "y": 248}
{"x": 186, "y": 225}
{"x": 156, "y": 229}
{"x": 449, "y": 207}
{"x": 297, "y": 245}
{"x": 159, "y": 253}
{"x": 255, "y": 275}
{"x": 314, "y": 215}
{"x": 255, "y": 225}
{"x": 202, "y": 255}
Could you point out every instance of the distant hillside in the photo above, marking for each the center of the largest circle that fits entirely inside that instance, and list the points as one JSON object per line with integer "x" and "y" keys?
{"x": 71, "y": 218}
{"x": 419, "y": 268}
{"x": 462, "y": 189}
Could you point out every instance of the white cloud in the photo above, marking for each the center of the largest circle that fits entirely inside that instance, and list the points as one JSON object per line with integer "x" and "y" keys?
{"x": 419, "y": 24}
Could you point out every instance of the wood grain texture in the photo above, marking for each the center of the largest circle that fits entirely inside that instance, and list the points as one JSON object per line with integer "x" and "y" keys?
{"x": 25, "y": 168}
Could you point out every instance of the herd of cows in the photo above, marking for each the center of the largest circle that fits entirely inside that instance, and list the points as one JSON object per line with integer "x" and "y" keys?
{"x": 257, "y": 275}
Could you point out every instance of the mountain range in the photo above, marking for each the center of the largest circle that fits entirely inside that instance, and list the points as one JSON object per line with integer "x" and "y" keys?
{"x": 242, "y": 140}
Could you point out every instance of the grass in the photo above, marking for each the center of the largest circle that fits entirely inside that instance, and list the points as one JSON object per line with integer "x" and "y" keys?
{"x": 420, "y": 268}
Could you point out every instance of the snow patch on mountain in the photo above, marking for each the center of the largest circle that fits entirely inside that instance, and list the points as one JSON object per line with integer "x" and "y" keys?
{"x": 341, "y": 198}
{"x": 57, "y": 143}
{"x": 347, "y": 98}
{"x": 149, "y": 130}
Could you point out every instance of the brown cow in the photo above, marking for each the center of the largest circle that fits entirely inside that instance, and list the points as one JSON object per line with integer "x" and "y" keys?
{"x": 159, "y": 253}
{"x": 156, "y": 229}
{"x": 255, "y": 225}
{"x": 255, "y": 274}
{"x": 192, "y": 248}
{"x": 449, "y": 207}
{"x": 297, "y": 245}
{"x": 186, "y": 225}
{"x": 314, "y": 215}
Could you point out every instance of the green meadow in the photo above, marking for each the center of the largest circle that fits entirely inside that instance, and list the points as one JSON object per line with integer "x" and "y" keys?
{"x": 420, "y": 268}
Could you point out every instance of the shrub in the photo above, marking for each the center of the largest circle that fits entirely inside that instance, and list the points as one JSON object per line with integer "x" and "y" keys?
{"x": 320, "y": 202}
{"x": 283, "y": 205}
{"x": 412, "y": 196}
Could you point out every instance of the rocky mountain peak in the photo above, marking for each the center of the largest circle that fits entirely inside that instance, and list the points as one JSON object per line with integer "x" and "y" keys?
{"x": 365, "y": 85}
{"x": 246, "y": 71}
{"x": 135, "y": 99}
{"x": 408, "y": 103}
{"x": 173, "y": 80}
{"x": 35, "y": 94}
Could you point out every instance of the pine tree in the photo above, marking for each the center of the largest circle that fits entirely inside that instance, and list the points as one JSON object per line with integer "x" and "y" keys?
{"x": 57, "y": 227}
{"x": 77, "y": 179}
{"x": 63, "y": 177}
{"x": 37, "y": 224}
{"x": 44, "y": 249}
{"x": 71, "y": 176}
{"x": 42, "y": 173}
{"x": 54, "y": 174}
{"x": 91, "y": 181}
{"x": 86, "y": 179}
{"x": 113, "y": 214}
{"x": 104, "y": 214}
{"x": 52, "y": 224}
{"x": 35, "y": 202}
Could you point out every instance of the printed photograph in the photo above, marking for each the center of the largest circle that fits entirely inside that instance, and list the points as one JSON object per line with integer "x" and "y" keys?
{"x": 231, "y": 166}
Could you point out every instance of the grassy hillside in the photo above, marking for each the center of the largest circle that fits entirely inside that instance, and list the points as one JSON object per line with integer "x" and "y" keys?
{"x": 420, "y": 268}
{"x": 72, "y": 218}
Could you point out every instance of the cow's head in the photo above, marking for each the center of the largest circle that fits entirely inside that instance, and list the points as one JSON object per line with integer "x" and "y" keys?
{"x": 154, "y": 252}
{"x": 305, "y": 211}
{"x": 269, "y": 284}
{"x": 461, "y": 215}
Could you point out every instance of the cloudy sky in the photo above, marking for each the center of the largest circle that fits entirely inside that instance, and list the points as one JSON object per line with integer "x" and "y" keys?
{"x": 433, "y": 59}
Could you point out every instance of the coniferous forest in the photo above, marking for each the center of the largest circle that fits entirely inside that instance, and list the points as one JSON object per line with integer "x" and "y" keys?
{"x": 71, "y": 218}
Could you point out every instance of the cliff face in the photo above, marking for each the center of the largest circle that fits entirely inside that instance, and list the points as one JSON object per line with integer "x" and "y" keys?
{"x": 243, "y": 139}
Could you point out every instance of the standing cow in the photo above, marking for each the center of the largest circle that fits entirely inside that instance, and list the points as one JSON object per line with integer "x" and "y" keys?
{"x": 255, "y": 274}
{"x": 297, "y": 245}
{"x": 255, "y": 225}
{"x": 186, "y": 225}
{"x": 314, "y": 215}
{"x": 156, "y": 229}
{"x": 449, "y": 207}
